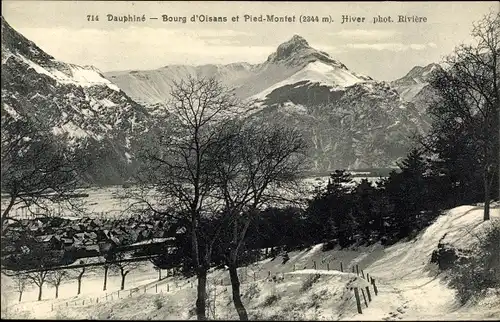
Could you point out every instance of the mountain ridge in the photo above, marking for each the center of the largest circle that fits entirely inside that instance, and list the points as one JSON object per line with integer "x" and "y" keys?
{"x": 350, "y": 120}
{"x": 73, "y": 103}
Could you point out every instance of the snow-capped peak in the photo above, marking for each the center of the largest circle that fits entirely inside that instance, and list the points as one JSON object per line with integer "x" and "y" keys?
{"x": 418, "y": 75}
{"x": 297, "y": 52}
{"x": 320, "y": 73}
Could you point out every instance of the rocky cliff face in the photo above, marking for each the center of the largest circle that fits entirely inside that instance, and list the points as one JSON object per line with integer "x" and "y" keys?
{"x": 73, "y": 102}
{"x": 414, "y": 87}
{"x": 350, "y": 120}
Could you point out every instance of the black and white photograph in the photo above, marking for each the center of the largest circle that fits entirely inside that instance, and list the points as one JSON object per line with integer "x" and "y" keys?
{"x": 238, "y": 160}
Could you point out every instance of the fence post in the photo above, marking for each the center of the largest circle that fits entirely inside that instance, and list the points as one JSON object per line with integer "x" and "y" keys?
{"x": 97, "y": 300}
{"x": 374, "y": 286}
{"x": 254, "y": 276}
{"x": 368, "y": 277}
{"x": 357, "y": 270}
{"x": 294, "y": 267}
{"x": 145, "y": 289}
{"x": 66, "y": 303}
{"x": 364, "y": 297}
{"x": 156, "y": 288}
{"x": 83, "y": 302}
{"x": 268, "y": 273}
{"x": 314, "y": 262}
{"x": 353, "y": 269}
{"x": 368, "y": 293}
{"x": 362, "y": 273}
{"x": 358, "y": 302}
{"x": 168, "y": 287}
{"x": 341, "y": 267}
{"x": 327, "y": 266}
{"x": 130, "y": 292}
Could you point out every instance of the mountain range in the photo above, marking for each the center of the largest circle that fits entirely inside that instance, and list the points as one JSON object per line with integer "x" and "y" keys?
{"x": 350, "y": 120}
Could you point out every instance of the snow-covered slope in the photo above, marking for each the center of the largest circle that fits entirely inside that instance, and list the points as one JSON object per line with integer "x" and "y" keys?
{"x": 414, "y": 86}
{"x": 316, "y": 72}
{"x": 349, "y": 120}
{"x": 71, "y": 101}
{"x": 310, "y": 285}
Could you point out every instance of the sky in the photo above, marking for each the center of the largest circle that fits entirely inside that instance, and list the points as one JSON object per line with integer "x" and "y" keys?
{"x": 384, "y": 51}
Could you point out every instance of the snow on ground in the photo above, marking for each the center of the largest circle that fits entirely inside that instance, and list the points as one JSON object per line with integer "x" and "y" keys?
{"x": 308, "y": 286}
{"x": 408, "y": 286}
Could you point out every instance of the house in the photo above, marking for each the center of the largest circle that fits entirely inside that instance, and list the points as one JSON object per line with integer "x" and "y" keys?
{"x": 102, "y": 235}
{"x": 50, "y": 241}
{"x": 146, "y": 234}
{"x": 67, "y": 244}
{"x": 35, "y": 225}
{"x": 91, "y": 235}
{"x": 106, "y": 246}
{"x": 93, "y": 224}
{"x": 67, "y": 241}
{"x": 78, "y": 239}
{"x": 94, "y": 249}
{"x": 160, "y": 234}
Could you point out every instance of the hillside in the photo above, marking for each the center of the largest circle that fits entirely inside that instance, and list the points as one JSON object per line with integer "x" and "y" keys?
{"x": 70, "y": 101}
{"x": 409, "y": 287}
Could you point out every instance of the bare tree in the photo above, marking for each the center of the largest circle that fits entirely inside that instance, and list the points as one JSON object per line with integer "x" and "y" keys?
{"x": 79, "y": 279}
{"x": 79, "y": 273}
{"x": 261, "y": 162}
{"x": 36, "y": 169}
{"x": 20, "y": 282}
{"x": 469, "y": 98}
{"x": 106, "y": 270}
{"x": 55, "y": 279}
{"x": 38, "y": 278}
{"x": 124, "y": 268}
{"x": 179, "y": 168}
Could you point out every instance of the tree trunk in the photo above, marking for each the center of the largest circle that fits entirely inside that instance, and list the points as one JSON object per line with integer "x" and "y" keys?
{"x": 201, "y": 293}
{"x": 105, "y": 277}
{"x": 6, "y": 212}
{"x": 235, "y": 285}
{"x": 40, "y": 292}
{"x": 486, "y": 198}
{"x": 80, "y": 276}
{"x": 20, "y": 296}
{"x": 159, "y": 274}
{"x": 57, "y": 291}
{"x": 79, "y": 285}
{"x": 123, "y": 282}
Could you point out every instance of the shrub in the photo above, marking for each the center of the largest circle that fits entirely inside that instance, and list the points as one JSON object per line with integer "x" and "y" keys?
{"x": 308, "y": 283}
{"x": 158, "y": 302}
{"x": 252, "y": 291}
{"x": 474, "y": 274}
{"x": 271, "y": 299}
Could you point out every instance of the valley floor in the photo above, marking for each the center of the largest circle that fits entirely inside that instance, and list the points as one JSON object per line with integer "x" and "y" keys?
{"x": 310, "y": 286}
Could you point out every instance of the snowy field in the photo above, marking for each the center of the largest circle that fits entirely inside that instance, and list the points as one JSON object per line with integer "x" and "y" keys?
{"x": 310, "y": 285}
